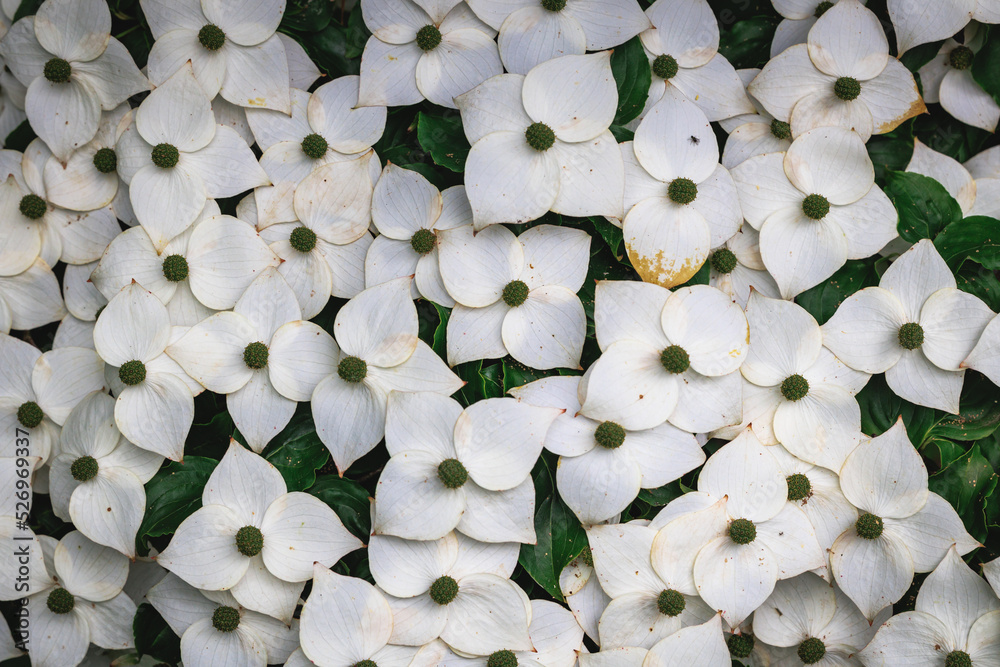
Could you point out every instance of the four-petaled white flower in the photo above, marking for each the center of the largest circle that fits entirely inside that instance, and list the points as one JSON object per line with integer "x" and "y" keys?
{"x": 798, "y": 18}
{"x": 737, "y": 268}
{"x": 947, "y": 79}
{"x": 921, "y": 23}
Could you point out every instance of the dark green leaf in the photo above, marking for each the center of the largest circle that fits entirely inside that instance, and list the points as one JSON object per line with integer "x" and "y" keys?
{"x": 154, "y": 637}
{"x": 979, "y": 413}
{"x": 942, "y": 132}
{"x": 297, "y": 452}
{"x": 328, "y": 49}
{"x": 27, "y": 8}
{"x": 986, "y": 66}
{"x": 880, "y": 408}
{"x": 822, "y": 300}
{"x": 663, "y": 495}
{"x": 976, "y": 238}
{"x": 920, "y": 55}
{"x": 307, "y": 15}
{"x": 172, "y": 495}
{"x": 891, "y": 152}
{"x": 966, "y": 483}
{"x": 349, "y": 500}
{"x": 622, "y": 134}
{"x": 427, "y": 171}
{"x": 357, "y": 33}
{"x": 925, "y": 207}
{"x": 748, "y": 42}
{"x": 20, "y": 137}
{"x": 982, "y": 282}
{"x": 441, "y": 331}
{"x": 611, "y": 234}
{"x": 444, "y": 139}
{"x": 630, "y": 67}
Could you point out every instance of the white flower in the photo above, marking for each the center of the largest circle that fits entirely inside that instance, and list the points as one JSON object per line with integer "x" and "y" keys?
{"x": 679, "y": 201}
{"x": 216, "y": 631}
{"x": 947, "y": 79}
{"x": 533, "y": 31}
{"x": 701, "y": 645}
{"x": 737, "y": 268}
{"x": 433, "y": 49}
{"x": 799, "y": 16}
{"x": 516, "y": 295}
{"x": 667, "y": 356}
{"x": 753, "y": 133}
{"x": 466, "y": 469}
{"x": 956, "y": 621}
{"x": 850, "y": 82}
{"x": 96, "y": 480}
{"x": 408, "y": 212}
{"x": 73, "y": 69}
{"x": 254, "y": 538}
{"x": 903, "y": 528}
{"x": 916, "y": 327}
{"x": 919, "y": 23}
{"x": 540, "y": 142}
{"x": 174, "y": 157}
{"x": 155, "y": 406}
{"x": 379, "y": 352}
{"x": 581, "y": 587}
{"x": 602, "y": 466}
{"x": 232, "y": 46}
{"x": 30, "y": 299}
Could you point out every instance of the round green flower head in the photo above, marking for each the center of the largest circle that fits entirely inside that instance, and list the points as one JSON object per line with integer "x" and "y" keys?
{"x": 587, "y": 556}
{"x": 515, "y": 293}
{"x": 847, "y": 88}
{"x": 958, "y": 659}
{"x": 682, "y": 191}
{"x": 723, "y": 260}
{"x": 540, "y": 136}
{"x": 780, "y": 129}
{"x": 911, "y": 336}
{"x": 502, "y": 658}
{"x": 961, "y": 58}
{"x": 822, "y": 7}
{"x": 740, "y": 646}
{"x": 609, "y": 435}
{"x": 443, "y": 590}
{"x": 795, "y": 387}
{"x": 165, "y": 156}
{"x": 57, "y": 70}
{"x": 812, "y": 650}
{"x": 352, "y": 369}
{"x": 675, "y": 359}
{"x": 423, "y": 241}
{"x": 742, "y": 531}
{"x": 132, "y": 372}
{"x": 815, "y": 207}
{"x": 249, "y": 541}
{"x": 665, "y": 66}
{"x": 84, "y": 469}
{"x": 552, "y": 6}
{"x": 869, "y": 526}
{"x": 32, "y": 207}
{"x": 302, "y": 239}
{"x": 60, "y": 601}
{"x": 225, "y": 619}
{"x": 211, "y": 37}
{"x": 428, "y": 38}
{"x": 314, "y": 146}
{"x": 255, "y": 355}
{"x": 799, "y": 487}
{"x": 29, "y": 414}
{"x": 106, "y": 160}
{"x": 670, "y": 603}
{"x": 175, "y": 268}
{"x": 452, "y": 473}
{"x": 366, "y": 663}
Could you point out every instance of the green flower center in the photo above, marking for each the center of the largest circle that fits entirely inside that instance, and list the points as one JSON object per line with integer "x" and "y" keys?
{"x": 799, "y": 487}
{"x": 423, "y": 241}
{"x": 665, "y": 67}
{"x": 958, "y": 659}
{"x": 225, "y": 619}
{"x": 57, "y": 70}
{"x": 452, "y": 473}
{"x": 780, "y": 129}
{"x": 822, "y": 7}
{"x": 682, "y": 191}
{"x": 302, "y": 239}
{"x": 314, "y": 146}
{"x": 723, "y": 260}
{"x": 812, "y": 650}
{"x": 742, "y": 531}
{"x": 255, "y": 355}
{"x": 847, "y": 88}
{"x": 869, "y": 526}
{"x": 795, "y": 387}
{"x": 740, "y": 646}
{"x": 249, "y": 541}
{"x": 504, "y": 657}
{"x": 609, "y": 435}
{"x": 540, "y": 136}
{"x": 587, "y": 556}
{"x": 552, "y": 6}
{"x": 32, "y": 207}
{"x": 175, "y": 268}
{"x": 670, "y": 603}
{"x": 84, "y": 469}
{"x": 366, "y": 663}
{"x": 515, "y": 293}
{"x": 443, "y": 590}
{"x": 132, "y": 372}
{"x": 211, "y": 37}
{"x": 106, "y": 160}
{"x": 428, "y": 38}
{"x": 165, "y": 156}
{"x": 815, "y": 207}
{"x": 961, "y": 57}
{"x": 675, "y": 359}
{"x": 352, "y": 369}
{"x": 60, "y": 601}
{"x": 29, "y": 414}
{"x": 911, "y": 336}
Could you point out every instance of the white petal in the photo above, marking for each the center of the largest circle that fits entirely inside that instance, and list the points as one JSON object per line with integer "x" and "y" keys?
{"x": 112, "y": 75}
{"x": 947, "y": 171}
{"x": 379, "y": 325}
{"x": 212, "y": 351}
{"x": 663, "y": 143}
{"x": 476, "y": 268}
{"x": 332, "y": 109}
{"x": 919, "y": 25}
{"x": 345, "y": 620}
{"x": 177, "y": 113}
{"x": 259, "y": 411}
{"x": 914, "y": 378}
{"x": 629, "y": 386}
{"x": 799, "y": 607}
{"x": 791, "y": 538}
{"x": 493, "y": 106}
{"x": 718, "y": 353}
{"x": 909, "y": 638}
{"x": 746, "y": 472}
{"x": 64, "y": 115}
{"x": 226, "y": 165}
{"x": 62, "y": 638}
{"x": 702, "y": 643}
{"x": 174, "y": 49}
{"x": 873, "y": 573}
{"x": 335, "y": 200}
{"x": 547, "y": 330}
{"x": 849, "y": 42}
{"x": 964, "y": 99}
{"x": 422, "y": 421}
{"x": 87, "y": 569}
{"x": 476, "y": 333}
{"x": 832, "y": 162}
{"x": 301, "y": 354}
{"x": 500, "y": 516}
{"x": 952, "y": 321}
{"x": 33, "y": 297}
{"x": 257, "y": 76}
{"x": 261, "y": 591}
{"x": 134, "y": 325}
{"x": 388, "y": 74}
{"x": 203, "y": 551}
{"x": 242, "y": 22}
{"x": 892, "y": 97}
{"x": 411, "y": 502}
{"x": 407, "y": 568}
{"x": 166, "y": 201}
{"x": 764, "y": 188}
{"x": 930, "y": 532}
{"x": 787, "y": 78}
{"x": 622, "y": 558}
{"x": 822, "y": 427}
{"x": 591, "y": 179}
{"x": 203, "y": 646}
{"x": 608, "y": 23}
{"x": 687, "y": 31}
{"x": 864, "y": 331}
{"x": 109, "y": 509}
{"x": 349, "y": 418}
{"x": 629, "y": 310}
{"x": 300, "y": 530}
{"x": 599, "y": 484}
{"x": 667, "y": 243}
{"x": 786, "y": 340}
{"x": 715, "y": 87}
{"x": 268, "y": 303}
{"x": 915, "y": 275}
{"x": 404, "y": 202}
{"x": 488, "y": 614}
{"x": 464, "y": 59}
{"x": 735, "y": 578}
{"x": 532, "y": 35}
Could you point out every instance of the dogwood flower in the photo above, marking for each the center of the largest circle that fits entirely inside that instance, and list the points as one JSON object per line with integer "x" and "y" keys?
{"x": 920, "y": 24}
{"x": 903, "y": 528}
{"x": 737, "y": 268}
{"x": 232, "y": 47}
{"x": 30, "y": 299}
{"x": 254, "y": 538}
{"x": 581, "y": 587}
{"x": 696, "y": 644}
{"x": 532, "y": 32}
{"x": 956, "y": 620}
{"x": 833, "y": 81}
{"x": 602, "y": 466}
{"x": 515, "y": 295}
{"x": 466, "y": 469}
{"x": 541, "y": 142}
{"x": 379, "y": 353}
{"x": 424, "y": 50}
{"x": 73, "y": 69}
{"x": 798, "y": 18}
{"x": 916, "y": 327}
{"x": 216, "y": 630}
{"x": 408, "y": 212}
{"x": 947, "y": 79}
{"x": 174, "y": 157}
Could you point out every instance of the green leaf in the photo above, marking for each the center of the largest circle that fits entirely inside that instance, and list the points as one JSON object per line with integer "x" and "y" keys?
{"x": 976, "y": 238}
{"x": 979, "y": 412}
{"x": 20, "y": 137}
{"x": 966, "y": 483}
{"x": 307, "y": 15}
{"x": 880, "y": 408}
{"x": 986, "y": 67}
{"x": 172, "y": 495}
{"x": 328, "y": 48}
{"x": 154, "y": 637}
{"x": 630, "y": 67}
{"x": 622, "y": 134}
{"x": 822, "y": 300}
{"x": 982, "y": 282}
{"x": 748, "y": 43}
{"x": 444, "y": 139}
{"x": 26, "y": 8}
{"x": 441, "y": 332}
{"x": 920, "y": 55}
{"x": 297, "y": 452}
{"x": 925, "y": 207}
{"x": 663, "y": 495}
{"x": 349, "y": 500}
{"x": 611, "y": 234}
